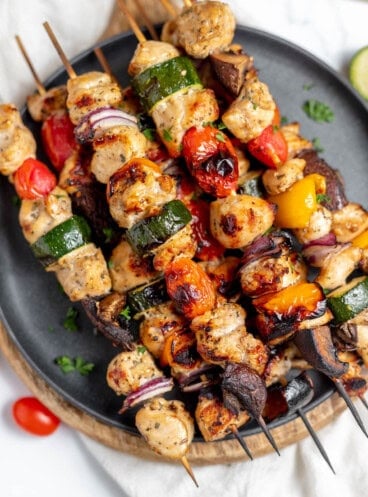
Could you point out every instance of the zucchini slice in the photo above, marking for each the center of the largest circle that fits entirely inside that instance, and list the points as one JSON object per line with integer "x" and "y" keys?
{"x": 149, "y": 295}
{"x": 358, "y": 72}
{"x": 65, "y": 237}
{"x": 349, "y": 300}
{"x": 161, "y": 80}
{"x": 153, "y": 231}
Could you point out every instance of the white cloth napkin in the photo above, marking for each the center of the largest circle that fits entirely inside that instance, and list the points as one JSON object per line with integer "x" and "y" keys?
{"x": 332, "y": 30}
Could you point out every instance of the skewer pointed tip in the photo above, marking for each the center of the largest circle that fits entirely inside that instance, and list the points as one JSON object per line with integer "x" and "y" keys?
{"x": 189, "y": 470}
{"x": 340, "y": 388}
{"x": 241, "y": 442}
{"x": 364, "y": 402}
{"x": 267, "y": 432}
{"x": 315, "y": 438}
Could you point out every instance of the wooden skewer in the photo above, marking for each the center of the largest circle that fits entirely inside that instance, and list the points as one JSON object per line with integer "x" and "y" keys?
{"x": 171, "y": 10}
{"x": 267, "y": 432}
{"x": 135, "y": 28}
{"x": 40, "y": 88}
{"x": 315, "y": 438}
{"x": 340, "y": 388}
{"x": 69, "y": 69}
{"x": 103, "y": 62}
{"x": 241, "y": 441}
{"x": 147, "y": 21}
{"x": 364, "y": 402}
{"x": 189, "y": 470}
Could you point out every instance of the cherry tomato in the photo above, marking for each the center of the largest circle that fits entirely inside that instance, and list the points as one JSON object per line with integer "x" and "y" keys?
{"x": 33, "y": 179}
{"x": 211, "y": 159}
{"x": 208, "y": 247}
{"x": 270, "y": 147}
{"x": 31, "y": 415}
{"x": 58, "y": 139}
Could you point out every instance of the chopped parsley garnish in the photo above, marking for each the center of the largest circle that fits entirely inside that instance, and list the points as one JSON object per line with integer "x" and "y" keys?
{"x": 167, "y": 136}
{"x": 68, "y": 365}
{"x": 126, "y": 312}
{"x": 318, "y": 111}
{"x": 108, "y": 232}
{"x": 322, "y": 197}
{"x": 220, "y": 137}
{"x": 284, "y": 120}
{"x": 150, "y": 134}
{"x": 308, "y": 86}
{"x": 70, "y": 321}
{"x": 141, "y": 349}
{"x": 317, "y": 145}
{"x": 110, "y": 264}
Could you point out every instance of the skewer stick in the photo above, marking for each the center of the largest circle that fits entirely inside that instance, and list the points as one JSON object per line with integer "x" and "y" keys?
{"x": 189, "y": 470}
{"x": 147, "y": 21}
{"x": 242, "y": 442}
{"x": 171, "y": 10}
{"x": 340, "y": 388}
{"x": 69, "y": 69}
{"x": 315, "y": 438}
{"x": 135, "y": 28}
{"x": 40, "y": 88}
{"x": 364, "y": 402}
{"x": 267, "y": 432}
{"x": 103, "y": 62}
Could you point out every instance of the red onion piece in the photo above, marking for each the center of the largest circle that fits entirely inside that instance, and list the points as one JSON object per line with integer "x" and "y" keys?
{"x": 315, "y": 255}
{"x": 93, "y": 124}
{"x": 151, "y": 388}
{"x": 329, "y": 239}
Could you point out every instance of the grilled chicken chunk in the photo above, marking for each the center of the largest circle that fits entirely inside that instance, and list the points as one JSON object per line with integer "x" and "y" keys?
{"x": 167, "y": 427}
{"x": 349, "y": 222}
{"x": 130, "y": 370}
{"x": 82, "y": 273}
{"x": 251, "y": 112}
{"x": 295, "y": 142}
{"x": 222, "y": 337}
{"x": 281, "y": 179}
{"x": 214, "y": 420}
{"x": 205, "y": 27}
{"x": 91, "y": 91}
{"x": 338, "y": 266}
{"x": 42, "y": 106}
{"x": 181, "y": 244}
{"x": 16, "y": 141}
{"x": 114, "y": 148}
{"x": 138, "y": 190}
{"x": 236, "y": 220}
{"x": 319, "y": 225}
{"x": 37, "y": 217}
{"x": 150, "y": 53}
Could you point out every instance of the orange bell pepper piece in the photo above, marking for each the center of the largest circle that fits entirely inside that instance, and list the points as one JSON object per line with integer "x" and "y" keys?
{"x": 297, "y": 204}
{"x": 361, "y": 240}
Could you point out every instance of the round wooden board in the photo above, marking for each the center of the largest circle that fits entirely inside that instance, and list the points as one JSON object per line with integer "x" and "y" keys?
{"x": 200, "y": 452}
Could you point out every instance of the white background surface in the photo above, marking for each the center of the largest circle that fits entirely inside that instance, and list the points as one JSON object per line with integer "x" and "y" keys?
{"x": 61, "y": 465}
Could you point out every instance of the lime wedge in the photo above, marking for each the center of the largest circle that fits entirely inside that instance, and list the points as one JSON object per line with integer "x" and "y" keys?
{"x": 358, "y": 72}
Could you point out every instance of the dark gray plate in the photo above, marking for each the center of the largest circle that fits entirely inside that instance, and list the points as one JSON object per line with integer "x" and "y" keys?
{"x": 33, "y": 308}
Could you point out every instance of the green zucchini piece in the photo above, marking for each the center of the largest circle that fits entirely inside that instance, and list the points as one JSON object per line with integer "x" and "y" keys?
{"x": 65, "y": 237}
{"x": 161, "y": 80}
{"x": 358, "y": 72}
{"x": 153, "y": 231}
{"x": 349, "y": 300}
{"x": 251, "y": 184}
{"x": 149, "y": 295}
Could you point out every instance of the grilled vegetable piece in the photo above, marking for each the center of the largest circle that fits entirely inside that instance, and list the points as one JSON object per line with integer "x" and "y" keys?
{"x": 62, "y": 239}
{"x": 146, "y": 296}
{"x": 243, "y": 389}
{"x": 270, "y": 147}
{"x": 180, "y": 352}
{"x": 211, "y": 159}
{"x": 57, "y": 134}
{"x": 105, "y": 315}
{"x": 33, "y": 179}
{"x": 167, "y": 427}
{"x": 316, "y": 346}
{"x": 251, "y": 184}
{"x": 349, "y": 222}
{"x": 214, "y": 420}
{"x": 354, "y": 335}
{"x": 189, "y": 287}
{"x": 284, "y": 400}
{"x": 354, "y": 380}
{"x": 231, "y": 67}
{"x": 335, "y": 195}
{"x": 280, "y": 314}
{"x": 164, "y": 79}
{"x": 348, "y": 301}
{"x": 153, "y": 231}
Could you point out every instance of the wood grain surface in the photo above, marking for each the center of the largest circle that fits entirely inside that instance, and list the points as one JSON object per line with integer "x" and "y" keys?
{"x": 200, "y": 453}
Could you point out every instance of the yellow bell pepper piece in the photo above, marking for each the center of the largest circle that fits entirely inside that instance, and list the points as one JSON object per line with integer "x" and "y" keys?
{"x": 297, "y": 204}
{"x": 361, "y": 240}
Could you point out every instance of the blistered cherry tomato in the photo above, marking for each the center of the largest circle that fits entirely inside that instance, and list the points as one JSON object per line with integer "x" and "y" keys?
{"x": 211, "y": 159}
{"x": 58, "y": 139}
{"x": 31, "y": 415}
{"x": 270, "y": 147}
{"x": 33, "y": 179}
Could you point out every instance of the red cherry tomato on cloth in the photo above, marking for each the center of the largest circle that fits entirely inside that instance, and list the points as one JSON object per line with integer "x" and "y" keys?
{"x": 58, "y": 139}
{"x": 211, "y": 159}
{"x": 33, "y": 179}
{"x": 270, "y": 147}
{"x": 31, "y": 415}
